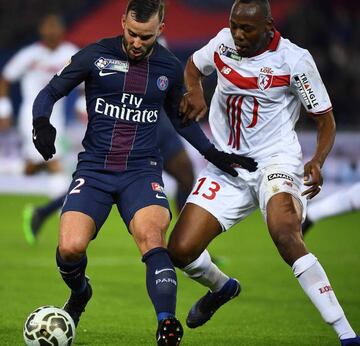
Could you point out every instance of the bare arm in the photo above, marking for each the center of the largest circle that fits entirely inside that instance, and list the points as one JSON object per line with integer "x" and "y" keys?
{"x": 325, "y": 139}
{"x": 193, "y": 105}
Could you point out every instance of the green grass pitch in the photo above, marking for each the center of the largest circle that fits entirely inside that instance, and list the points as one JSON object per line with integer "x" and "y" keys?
{"x": 271, "y": 310}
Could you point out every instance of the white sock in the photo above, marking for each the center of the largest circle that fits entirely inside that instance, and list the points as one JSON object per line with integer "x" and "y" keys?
{"x": 335, "y": 204}
{"x": 316, "y": 285}
{"x": 206, "y": 273}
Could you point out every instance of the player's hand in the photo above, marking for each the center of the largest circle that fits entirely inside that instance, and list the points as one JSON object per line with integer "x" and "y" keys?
{"x": 312, "y": 178}
{"x": 193, "y": 105}
{"x": 227, "y": 162}
{"x": 44, "y": 135}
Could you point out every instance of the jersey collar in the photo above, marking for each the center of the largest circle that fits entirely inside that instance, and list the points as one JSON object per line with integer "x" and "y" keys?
{"x": 273, "y": 44}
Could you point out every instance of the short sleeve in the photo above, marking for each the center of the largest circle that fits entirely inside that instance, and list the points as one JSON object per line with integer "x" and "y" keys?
{"x": 307, "y": 84}
{"x": 204, "y": 58}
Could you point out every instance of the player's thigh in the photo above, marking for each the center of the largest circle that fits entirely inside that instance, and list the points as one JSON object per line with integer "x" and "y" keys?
{"x": 76, "y": 231}
{"x": 91, "y": 196}
{"x": 145, "y": 190}
{"x": 193, "y": 231}
{"x": 228, "y": 199}
{"x": 279, "y": 194}
{"x": 148, "y": 227}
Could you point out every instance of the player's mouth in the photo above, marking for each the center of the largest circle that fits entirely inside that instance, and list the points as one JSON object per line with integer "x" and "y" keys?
{"x": 136, "y": 53}
{"x": 242, "y": 49}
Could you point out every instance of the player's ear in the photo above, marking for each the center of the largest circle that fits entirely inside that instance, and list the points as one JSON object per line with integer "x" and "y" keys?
{"x": 161, "y": 28}
{"x": 123, "y": 20}
{"x": 269, "y": 24}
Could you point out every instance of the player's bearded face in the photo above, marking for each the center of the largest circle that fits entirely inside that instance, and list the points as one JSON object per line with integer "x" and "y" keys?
{"x": 139, "y": 38}
{"x": 249, "y": 29}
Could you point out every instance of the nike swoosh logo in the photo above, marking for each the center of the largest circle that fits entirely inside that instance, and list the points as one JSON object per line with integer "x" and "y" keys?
{"x": 163, "y": 270}
{"x": 103, "y": 74}
{"x": 160, "y": 197}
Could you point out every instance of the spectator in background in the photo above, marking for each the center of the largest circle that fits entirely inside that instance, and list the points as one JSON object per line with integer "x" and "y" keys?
{"x": 338, "y": 203}
{"x": 33, "y": 66}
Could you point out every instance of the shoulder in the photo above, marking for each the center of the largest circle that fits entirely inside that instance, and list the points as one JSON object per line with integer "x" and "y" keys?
{"x": 32, "y": 49}
{"x": 69, "y": 47}
{"x": 291, "y": 52}
{"x": 111, "y": 43}
{"x": 164, "y": 54}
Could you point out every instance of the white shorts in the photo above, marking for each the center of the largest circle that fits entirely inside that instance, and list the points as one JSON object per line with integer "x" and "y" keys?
{"x": 231, "y": 199}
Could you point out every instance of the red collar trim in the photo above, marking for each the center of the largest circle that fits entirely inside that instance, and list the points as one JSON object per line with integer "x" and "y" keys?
{"x": 273, "y": 44}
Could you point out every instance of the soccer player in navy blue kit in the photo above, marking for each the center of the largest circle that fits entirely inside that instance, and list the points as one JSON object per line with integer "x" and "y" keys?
{"x": 127, "y": 80}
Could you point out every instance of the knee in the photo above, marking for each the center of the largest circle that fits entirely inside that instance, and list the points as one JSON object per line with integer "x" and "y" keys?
{"x": 71, "y": 250}
{"x": 181, "y": 253}
{"x": 151, "y": 236}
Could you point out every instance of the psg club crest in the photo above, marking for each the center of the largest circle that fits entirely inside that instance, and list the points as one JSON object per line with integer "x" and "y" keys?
{"x": 264, "y": 81}
{"x": 162, "y": 83}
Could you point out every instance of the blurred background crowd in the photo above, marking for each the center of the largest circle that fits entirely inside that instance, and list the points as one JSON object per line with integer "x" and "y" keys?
{"x": 329, "y": 29}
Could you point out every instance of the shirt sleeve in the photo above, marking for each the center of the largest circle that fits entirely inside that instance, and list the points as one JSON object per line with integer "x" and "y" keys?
{"x": 307, "y": 84}
{"x": 204, "y": 58}
{"x": 76, "y": 71}
{"x": 18, "y": 64}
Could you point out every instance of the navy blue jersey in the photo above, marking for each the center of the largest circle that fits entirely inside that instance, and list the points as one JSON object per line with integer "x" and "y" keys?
{"x": 124, "y": 99}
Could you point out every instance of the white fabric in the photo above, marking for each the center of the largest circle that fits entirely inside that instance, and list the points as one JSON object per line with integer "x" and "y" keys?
{"x": 231, "y": 199}
{"x": 6, "y": 109}
{"x": 34, "y": 66}
{"x": 206, "y": 273}
{"x": 338, "y": 203}
{"x": 258, "y": 119}
{"x": 316, "y": 285}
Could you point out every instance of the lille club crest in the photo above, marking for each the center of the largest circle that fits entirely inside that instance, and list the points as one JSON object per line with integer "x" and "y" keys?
{"x": 265, "y": 81}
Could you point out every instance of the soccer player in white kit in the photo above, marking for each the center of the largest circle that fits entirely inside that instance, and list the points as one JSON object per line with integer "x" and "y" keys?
{"x": 34, "y": 66}
{"x": 338, "y": 203}
{"x": 262, "y": 81}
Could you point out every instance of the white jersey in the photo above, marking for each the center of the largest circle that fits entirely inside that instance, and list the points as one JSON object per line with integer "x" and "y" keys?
{"x": 34, "y": 66}
{"x": 257, "y": 100}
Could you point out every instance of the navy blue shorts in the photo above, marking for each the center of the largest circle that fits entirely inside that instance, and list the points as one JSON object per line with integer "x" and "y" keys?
{"x": 169, "y": 141}
{"x": 94, "y": 193}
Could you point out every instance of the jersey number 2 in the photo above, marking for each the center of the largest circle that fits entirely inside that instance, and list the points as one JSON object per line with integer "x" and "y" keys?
{"x": 76, "y": 189}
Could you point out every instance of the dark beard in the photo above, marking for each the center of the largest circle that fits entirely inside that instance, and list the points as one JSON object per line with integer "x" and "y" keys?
{"x": 125, "y": 44}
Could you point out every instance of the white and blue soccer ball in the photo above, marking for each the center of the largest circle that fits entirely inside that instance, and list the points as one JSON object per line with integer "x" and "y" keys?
{"x": 50, "y": 326}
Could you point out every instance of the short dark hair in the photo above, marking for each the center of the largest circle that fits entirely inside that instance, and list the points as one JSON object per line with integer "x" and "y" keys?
{"x": 264, "y": 5}
{"x": 145, "y": 9}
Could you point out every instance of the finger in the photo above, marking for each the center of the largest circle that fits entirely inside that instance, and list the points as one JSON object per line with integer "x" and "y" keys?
{"x": 201, "y": 114}
{"x": 307, "y": 175}
{"x": 228, "y": 169}
{"x": 183, "y": 105}
{"x": 312, "y": 192}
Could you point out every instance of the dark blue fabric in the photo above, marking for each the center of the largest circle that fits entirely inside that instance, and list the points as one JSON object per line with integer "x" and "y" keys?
{"x": 44, "y": 102}
{"x": 161, "y": 281}
{"x": 73, "y": 273}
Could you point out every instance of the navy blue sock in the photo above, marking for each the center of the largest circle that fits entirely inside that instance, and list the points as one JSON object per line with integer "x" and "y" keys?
{"x": 161, "y": 282}
{"x": 73, "y": 273}
{"x": 51, "y": 207}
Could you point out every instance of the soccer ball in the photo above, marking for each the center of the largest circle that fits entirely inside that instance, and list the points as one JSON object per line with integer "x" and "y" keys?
{"x": 50, "y": 326}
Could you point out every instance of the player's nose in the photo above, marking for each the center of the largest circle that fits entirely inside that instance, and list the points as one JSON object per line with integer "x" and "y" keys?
{"x": 137, "y": 43}
{"x": 239, "y": 35}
